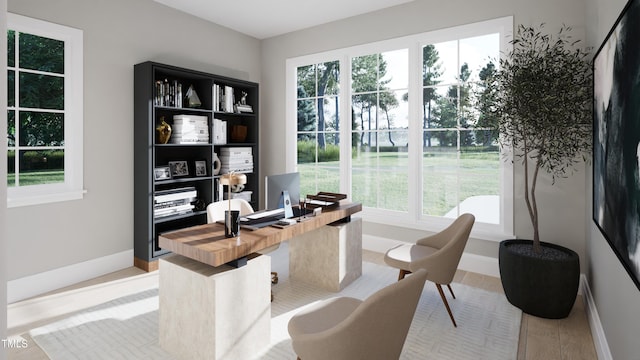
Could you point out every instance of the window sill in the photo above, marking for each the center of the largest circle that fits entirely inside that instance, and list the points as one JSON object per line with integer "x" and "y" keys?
{"x": 39, "y": 199}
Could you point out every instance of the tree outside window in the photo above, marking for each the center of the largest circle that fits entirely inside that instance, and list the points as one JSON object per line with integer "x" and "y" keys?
{"x": 36, "y": 110}
{"x": 318, "y": 127}
{"x": 420, "y": 144}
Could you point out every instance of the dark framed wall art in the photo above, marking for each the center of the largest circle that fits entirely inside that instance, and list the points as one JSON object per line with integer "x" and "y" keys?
{"x": 616, "y": 135}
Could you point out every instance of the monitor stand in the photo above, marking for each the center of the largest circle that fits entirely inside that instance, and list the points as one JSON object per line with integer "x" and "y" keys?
{"x": 285, "y": 202}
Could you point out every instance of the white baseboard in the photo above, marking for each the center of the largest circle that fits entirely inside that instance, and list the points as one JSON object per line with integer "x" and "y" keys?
{"x": 479, "y": 264}
{"x": 469, "y": 262}
{"x": 37, "y": 284}
{"x": 379, "y": 244}
{"x": 597, "y": 332}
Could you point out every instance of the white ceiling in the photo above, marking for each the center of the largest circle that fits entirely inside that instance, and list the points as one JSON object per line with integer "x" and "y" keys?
{"x": 263, "y": 19}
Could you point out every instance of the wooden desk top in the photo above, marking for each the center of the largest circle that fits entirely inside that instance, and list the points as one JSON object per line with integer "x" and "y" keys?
{"x": 207, "y": 243}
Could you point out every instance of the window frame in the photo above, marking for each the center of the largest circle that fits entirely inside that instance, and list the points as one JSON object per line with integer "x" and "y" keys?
{"x": 414, "y": 43}
{"x": 72, "y": 187}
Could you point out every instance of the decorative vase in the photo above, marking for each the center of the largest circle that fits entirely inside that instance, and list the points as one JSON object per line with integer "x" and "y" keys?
{"x": 541, "y": 285}
{"x": 231, "y": 223}
{"x": 217, "y": 165}
{"x": 164, "y": 131}
{"x": 238, "y": 133}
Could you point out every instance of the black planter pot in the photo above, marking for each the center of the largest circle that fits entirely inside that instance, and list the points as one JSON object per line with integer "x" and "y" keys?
{"x": 543, "y": 286}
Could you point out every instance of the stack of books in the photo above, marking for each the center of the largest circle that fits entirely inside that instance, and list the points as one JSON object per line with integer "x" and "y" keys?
{"x": 236, "y": 159}
{"x": 174, "y": 202}
{"x": 244, "y": 108}
{"x": 189, "y": 129}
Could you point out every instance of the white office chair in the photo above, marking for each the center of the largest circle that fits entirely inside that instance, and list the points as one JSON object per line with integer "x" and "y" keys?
{"x": 215, "y": 212}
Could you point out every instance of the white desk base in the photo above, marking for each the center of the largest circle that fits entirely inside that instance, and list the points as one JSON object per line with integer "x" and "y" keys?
{"x": 329, "y": 257}
{"x": 214, "y": 312}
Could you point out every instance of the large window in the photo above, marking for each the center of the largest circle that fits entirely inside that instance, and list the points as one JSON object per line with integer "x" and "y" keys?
{"x": 460, "y": 155}
{"x": 318, "y": 124}
{"x": 44, "y": 112}
{"x": 379, "y": 136}
{"x": 395, "y": 125}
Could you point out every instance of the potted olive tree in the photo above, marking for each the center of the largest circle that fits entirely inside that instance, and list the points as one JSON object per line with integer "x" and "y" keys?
{"x": 540, "y": 101}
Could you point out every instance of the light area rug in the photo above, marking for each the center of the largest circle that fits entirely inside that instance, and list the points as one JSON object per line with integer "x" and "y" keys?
{"x": 127, "y": 328}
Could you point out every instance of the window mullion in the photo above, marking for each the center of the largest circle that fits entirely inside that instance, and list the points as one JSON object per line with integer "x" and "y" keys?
{"x": 415, "y": 131}
{"x": 16, "y": 113}
{"x": 345, "y": 125}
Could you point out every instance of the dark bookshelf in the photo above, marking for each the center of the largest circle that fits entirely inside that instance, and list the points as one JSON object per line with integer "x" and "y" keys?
{"x": 159, "y": 94}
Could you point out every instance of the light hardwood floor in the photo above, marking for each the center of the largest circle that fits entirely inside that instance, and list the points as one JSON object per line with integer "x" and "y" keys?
{"x": 546, "y": 339}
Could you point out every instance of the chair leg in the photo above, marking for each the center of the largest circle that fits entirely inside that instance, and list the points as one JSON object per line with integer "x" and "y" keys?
{"x": 451, "y": 291}
{"x": 403, "y": 273}
{"x": 446, "y": 304}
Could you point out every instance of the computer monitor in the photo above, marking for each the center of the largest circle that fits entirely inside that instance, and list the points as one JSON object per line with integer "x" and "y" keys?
{"x": 276, "y": 184}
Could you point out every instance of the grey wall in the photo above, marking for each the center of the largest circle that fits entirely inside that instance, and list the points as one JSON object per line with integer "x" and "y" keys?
{"x": 120, "y": 33}
{"x": 562, "y": 215}
{"x": 614, "y": 292}
{"x": 117, "y": 35}
{"x": 3, "y": 189}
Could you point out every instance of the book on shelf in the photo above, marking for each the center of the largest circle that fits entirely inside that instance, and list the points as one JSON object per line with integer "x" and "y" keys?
{"x": 226, "y": 161}
{"x": 176, "y": 190}
{"x": 163, "y": 196}
{"x": 235, "y": 151}
{"x": 219, "y": 132}
{"x": 238, "y": 169}
{"x": 243, "y": 108}
{"x": 190, "y": 139}
{"x": 176, "y": 210}
{"x": 244, "y": 195}
{"x": 189, "y": 129}
{"x": 228, "y": 99}
{"x": 172, "y": 202}
{"x": 223, "y": 98}
{"x": 190, "y": 121}
{"x": 168, "y": 93}
{"x": 237, "y": 159}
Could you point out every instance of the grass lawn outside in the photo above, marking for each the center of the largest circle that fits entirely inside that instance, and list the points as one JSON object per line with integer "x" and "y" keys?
{"x": 36, "y": 178}
{"x": 380, "y": 180}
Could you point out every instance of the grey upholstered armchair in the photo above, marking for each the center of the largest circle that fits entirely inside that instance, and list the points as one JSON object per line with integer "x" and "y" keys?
{"x": 347, "y": 328}
{"x": 439, "y": 254}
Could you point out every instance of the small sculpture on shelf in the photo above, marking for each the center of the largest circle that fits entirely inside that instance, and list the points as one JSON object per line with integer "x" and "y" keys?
{"x": 193, "y": 101}
{"x": 242, "y": 106}
{"x": 164, "y": 131}
{"x": 243, "y": 98}
{"x": 217, "y": 164}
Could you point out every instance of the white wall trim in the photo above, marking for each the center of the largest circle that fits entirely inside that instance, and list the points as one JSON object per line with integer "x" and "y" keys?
{"x": 597, "y": 332}
{"x": 484, "y": 265}
{"x": 37, "y": 284}
{"x": 479, "y": 264}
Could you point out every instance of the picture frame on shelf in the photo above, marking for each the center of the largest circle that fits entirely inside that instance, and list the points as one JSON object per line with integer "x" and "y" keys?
{"x": 179, "y": 168}
{"x": 201, "y": 168}
{"x": 162, "y": 173}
